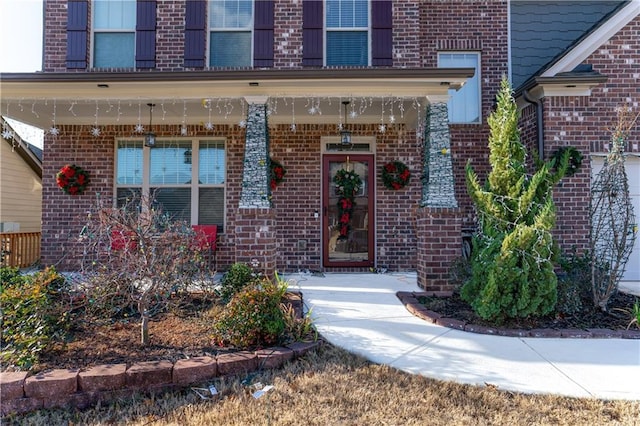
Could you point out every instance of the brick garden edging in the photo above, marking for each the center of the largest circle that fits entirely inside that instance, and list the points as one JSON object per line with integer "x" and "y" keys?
{"x": 21, "y": 393}
{"x": 410, "y": 301}
{"x": 82, "y": 388}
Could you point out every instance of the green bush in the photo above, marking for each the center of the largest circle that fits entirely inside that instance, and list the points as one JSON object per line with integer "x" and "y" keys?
{"x": 574, "y": 284}
{"x": 459, "y": 272}
{"x": 34, "y": 312}
{"x": 253, "y": 317}
{"x": 237, "y": 277}
{"x": 513, "y": 252}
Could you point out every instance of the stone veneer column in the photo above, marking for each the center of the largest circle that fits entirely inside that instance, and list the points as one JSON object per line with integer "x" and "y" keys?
{"x": 437, "y": 179}
{"x": 255, "y": 176}
{"x": 438, "y": 220}
{"x": 255, "y": 239}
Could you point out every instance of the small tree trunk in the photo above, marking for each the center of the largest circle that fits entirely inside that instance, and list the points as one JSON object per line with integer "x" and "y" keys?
{"x": 144, "y": 323}
{"x": 144, "y": 330}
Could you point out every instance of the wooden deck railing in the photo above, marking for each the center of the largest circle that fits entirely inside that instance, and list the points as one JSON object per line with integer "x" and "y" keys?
{"x": 20, "y": 249}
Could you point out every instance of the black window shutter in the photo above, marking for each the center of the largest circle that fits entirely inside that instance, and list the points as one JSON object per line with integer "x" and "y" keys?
{"x": 312, "y": 28}
{"x": 381, "y": 33}
{"x": 77, "y": 25}
{"x": 263, "y": 33}
{"x": 195, "y": 33}
{"x": 146, "y": 34}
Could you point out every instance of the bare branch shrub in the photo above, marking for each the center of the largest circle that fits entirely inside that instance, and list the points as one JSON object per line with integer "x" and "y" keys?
{"x": 613, "y": 227}
{"x": 137, "y": 259}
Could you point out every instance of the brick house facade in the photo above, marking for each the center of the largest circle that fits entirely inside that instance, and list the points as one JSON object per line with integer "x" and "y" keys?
{"x": 580, "y": 92}
{"x": 398, "y": 110}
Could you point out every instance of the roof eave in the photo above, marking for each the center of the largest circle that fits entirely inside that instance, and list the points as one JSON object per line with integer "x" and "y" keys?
{"x": 562, "y": 85}
{"x": 237, "y": 83}
{"x": 22, "y": 149}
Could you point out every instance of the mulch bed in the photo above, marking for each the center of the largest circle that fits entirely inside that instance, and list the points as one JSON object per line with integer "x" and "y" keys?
{"x": 617, "y": 318}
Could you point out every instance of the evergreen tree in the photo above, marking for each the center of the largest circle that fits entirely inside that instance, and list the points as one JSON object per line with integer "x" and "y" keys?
{"x": 512, "y": 269}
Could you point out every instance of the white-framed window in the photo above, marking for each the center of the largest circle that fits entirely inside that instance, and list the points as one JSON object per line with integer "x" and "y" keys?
{"x": 187, "y": 177}
{"x": 347, "y": 33}
{"x": 114, "y": 33}
{"x": 465, "y": 104}
{"x": 231, "y": 33}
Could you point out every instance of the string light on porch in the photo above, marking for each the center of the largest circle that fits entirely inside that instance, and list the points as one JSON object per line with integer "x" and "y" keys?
{"x": 119, "y": 113}
{"x": 95, "y": 131}
{"x": 183, "y": 127}
{"x": 150, "y": 137}
{"x": 420, "y": 126}
{"x": 33, "y": 109}
{"x": 293, "y": 115}
{"x": 139, "y": 127}
{"x": 6, "y": 133}
{"x": 392, "y": 118}
{"x": 345, "y": 134}
{"x": 243, "y": 121}
{"x": 207, "y": 104}
{"x": 382, "y": 128}
{"x": 53, "y": 130}
{"x": 313, "y": 106}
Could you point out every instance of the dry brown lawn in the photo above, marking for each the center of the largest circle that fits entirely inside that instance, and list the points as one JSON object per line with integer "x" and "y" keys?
{"x": 333, "y": 387}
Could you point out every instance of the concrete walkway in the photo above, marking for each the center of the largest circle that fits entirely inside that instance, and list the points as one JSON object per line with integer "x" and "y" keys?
{"x": 361, "y": 313}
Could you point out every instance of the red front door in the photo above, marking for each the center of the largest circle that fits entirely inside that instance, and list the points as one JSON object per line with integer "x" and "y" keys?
{"x": 348, "y": 210}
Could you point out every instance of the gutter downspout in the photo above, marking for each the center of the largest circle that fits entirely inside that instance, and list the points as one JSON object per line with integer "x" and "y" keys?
{"x": 539, "y": 121}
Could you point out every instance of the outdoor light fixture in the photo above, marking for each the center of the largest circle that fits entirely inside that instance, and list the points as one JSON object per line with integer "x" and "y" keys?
{"x": 345, "y": 135}
{"x": 150, "y": 137}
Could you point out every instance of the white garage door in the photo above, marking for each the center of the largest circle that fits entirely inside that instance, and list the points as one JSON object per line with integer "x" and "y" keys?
{"x": 632, "y": 166}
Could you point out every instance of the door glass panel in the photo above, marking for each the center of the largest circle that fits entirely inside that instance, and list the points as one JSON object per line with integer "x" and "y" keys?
{"x": 347, "y": 238}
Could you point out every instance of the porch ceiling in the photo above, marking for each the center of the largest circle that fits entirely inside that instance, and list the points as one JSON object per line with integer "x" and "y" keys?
{"x": 196, "y": 97}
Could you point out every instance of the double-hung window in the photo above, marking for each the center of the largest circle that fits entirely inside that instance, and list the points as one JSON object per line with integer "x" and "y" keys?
{"x": 114, "y": 33}
{"x": 347, "y": 32}
{"x": 465, "y": 104}
{"x": 231, "y": 29}
{"x": 185, "y": 177}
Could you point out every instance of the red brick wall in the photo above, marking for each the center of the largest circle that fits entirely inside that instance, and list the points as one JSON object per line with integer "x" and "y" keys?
{"x": 65, "y": 215}
{"x": 295, "y": 200}
{"x": 170, "y": 36}
{"x": 475, "y": 26}
{"x": 585, "y": 122}
{"x": 287, "y": 37}
{"x": 406, "y": 34}
{"x": 299, "y": 196}
{"x": 421, "y": 29}
{"x": 440, "y": 238}
{"x": 55, "y": 36}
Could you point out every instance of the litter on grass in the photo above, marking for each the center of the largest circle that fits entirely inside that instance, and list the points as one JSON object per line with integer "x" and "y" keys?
{"x": 257, "y": 394}
{"x": 202, "y": 392}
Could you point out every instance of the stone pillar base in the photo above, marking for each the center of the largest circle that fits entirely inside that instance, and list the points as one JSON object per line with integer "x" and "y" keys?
{"x": 255, "y": 239}
{"x": 439, "y": 232}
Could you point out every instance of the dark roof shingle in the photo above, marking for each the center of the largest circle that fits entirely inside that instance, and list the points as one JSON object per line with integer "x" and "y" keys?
{"x": 543, "y": 30}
